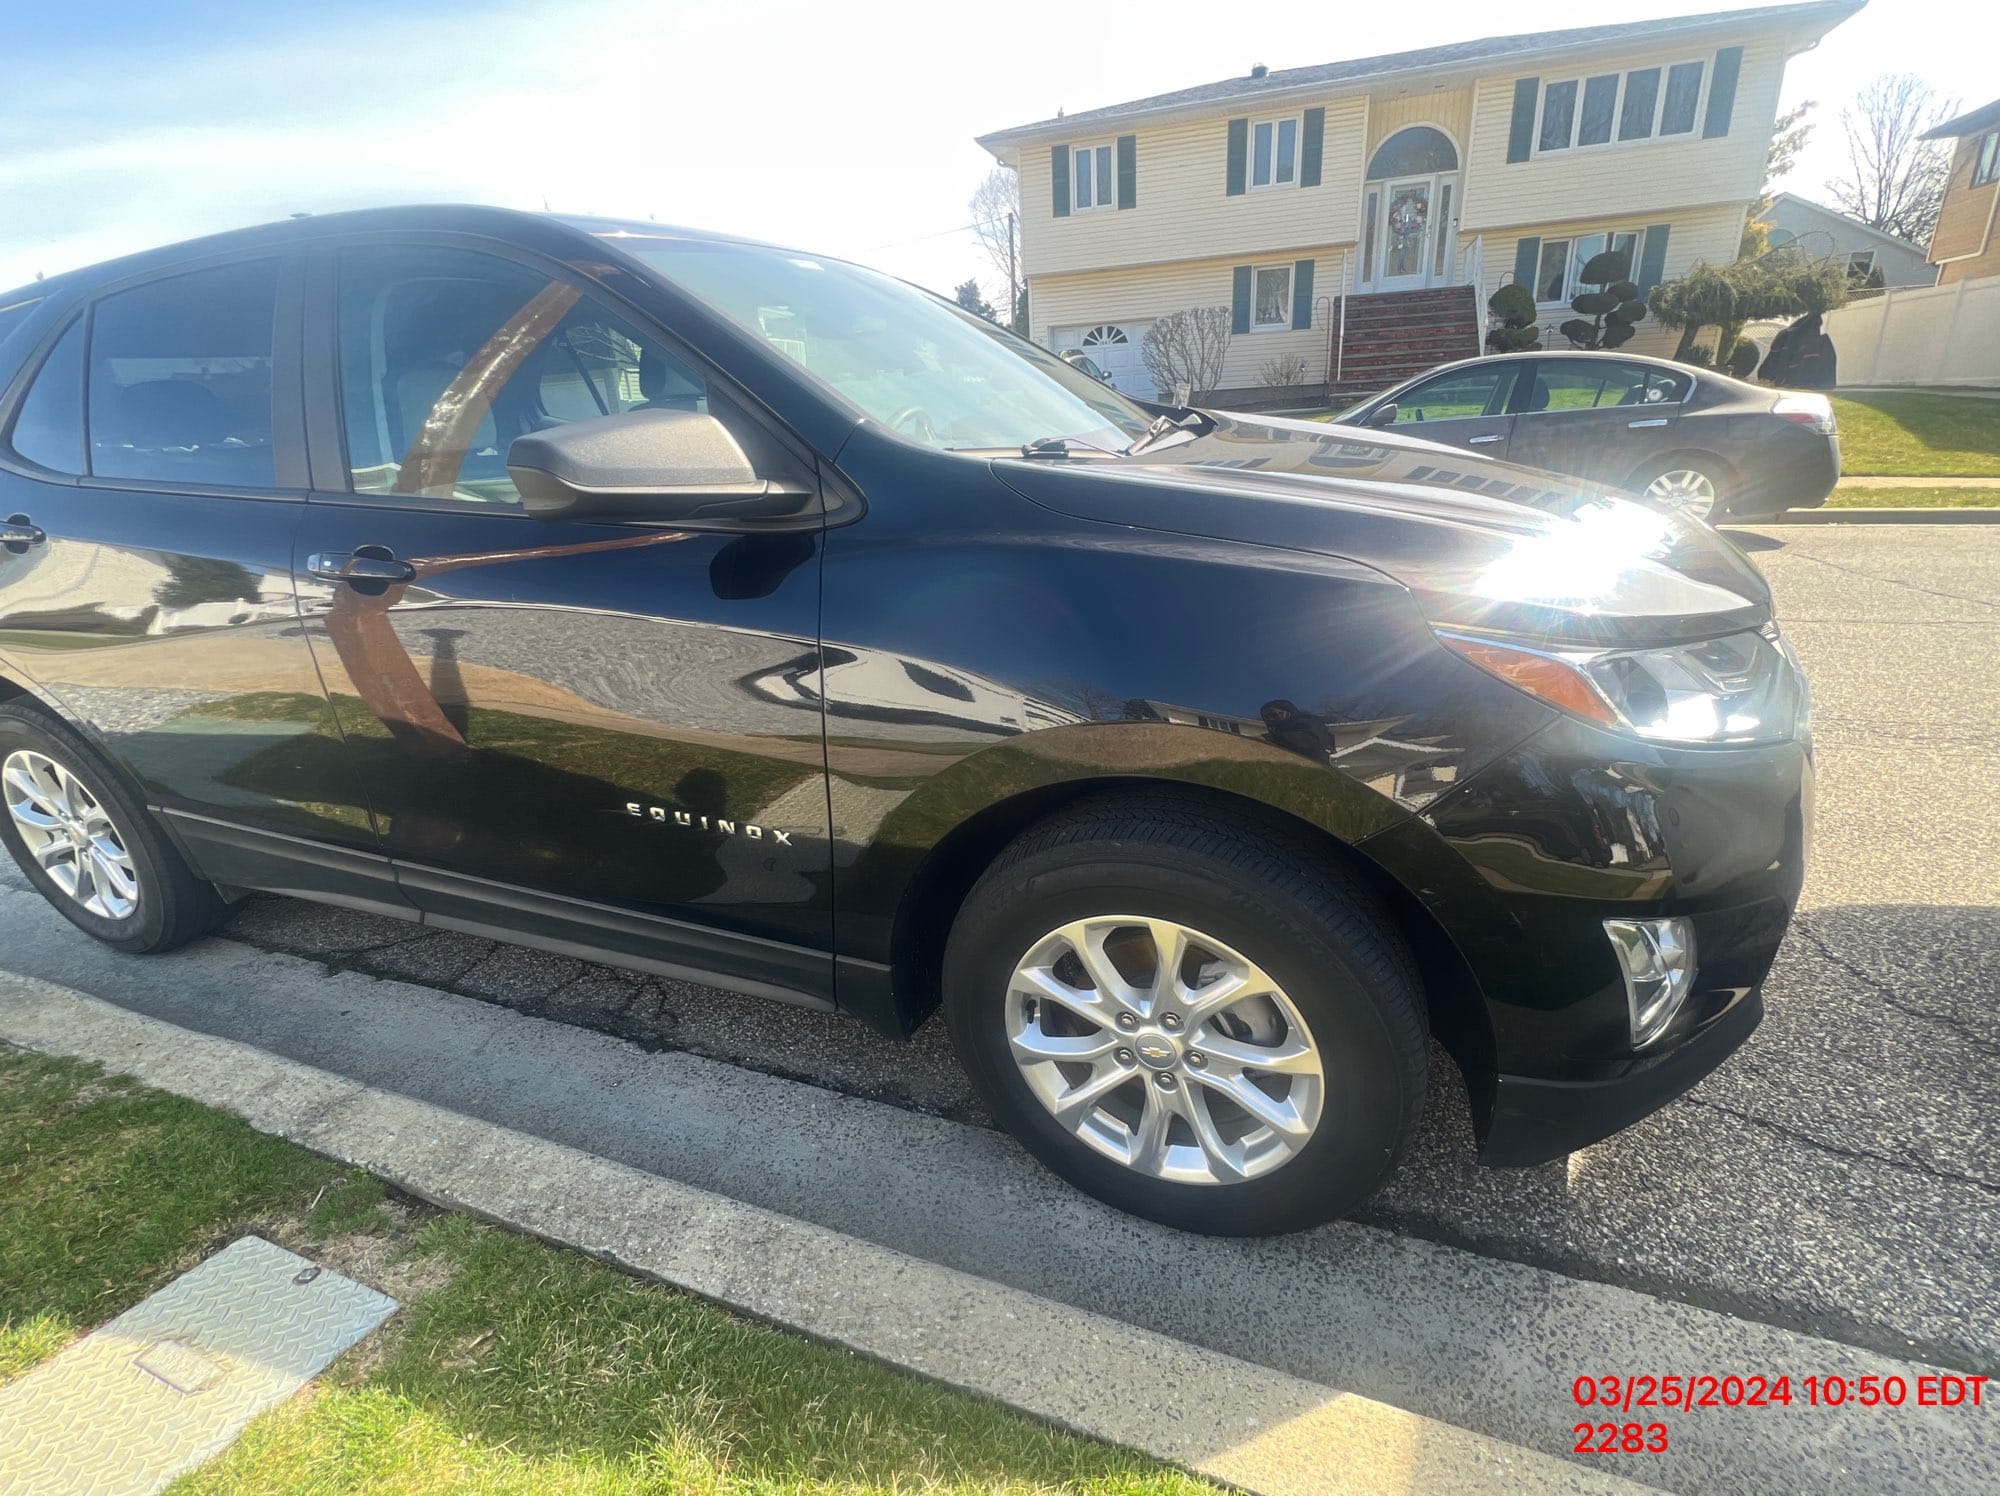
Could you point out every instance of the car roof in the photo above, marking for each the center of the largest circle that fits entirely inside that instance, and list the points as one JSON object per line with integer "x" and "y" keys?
{"x": 470, "y": 218}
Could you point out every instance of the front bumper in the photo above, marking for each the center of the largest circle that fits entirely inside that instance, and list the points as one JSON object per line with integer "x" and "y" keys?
{"x": 1535, "y": 1121}
{"x": 1522, "y": 864}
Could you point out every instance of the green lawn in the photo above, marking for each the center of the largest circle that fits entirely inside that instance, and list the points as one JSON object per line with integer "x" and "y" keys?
{"x": 512, "y": 1367}
{"x": 1907, "y": 433}
{"x": 1942, "y": 497}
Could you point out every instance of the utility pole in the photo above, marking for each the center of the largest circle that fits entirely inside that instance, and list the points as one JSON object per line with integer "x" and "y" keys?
{"x": 1013, "y": 292}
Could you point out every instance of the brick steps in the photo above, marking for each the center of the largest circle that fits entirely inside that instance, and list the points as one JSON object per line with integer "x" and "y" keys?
{"x": 1393, "y": 335}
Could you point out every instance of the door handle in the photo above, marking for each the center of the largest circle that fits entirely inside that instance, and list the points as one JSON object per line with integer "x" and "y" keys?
{"x": 18, "y": 533}
{"x": 1480, "y": 441}
{"x": 1656, "y": 421}
{"x": 370, "y": 564}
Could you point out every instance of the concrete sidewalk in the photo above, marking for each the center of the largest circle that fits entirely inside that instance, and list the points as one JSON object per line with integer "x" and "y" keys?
{"x": 1252, "y": 1427}
{"x": 1482, "y": 1344}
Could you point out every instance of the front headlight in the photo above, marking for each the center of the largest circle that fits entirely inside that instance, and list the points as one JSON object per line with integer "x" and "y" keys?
{"x": 1740, "y": 688}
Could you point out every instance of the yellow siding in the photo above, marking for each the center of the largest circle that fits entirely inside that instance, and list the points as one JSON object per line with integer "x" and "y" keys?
{"x": 1182, "y": 211}
{"x": 1450, "y": 110}
{"x": 1965, "y": 221}
{"x": 1710, "y": 235}
{"x": 1143, "y": 294}
{"x": 1648, "y": 177}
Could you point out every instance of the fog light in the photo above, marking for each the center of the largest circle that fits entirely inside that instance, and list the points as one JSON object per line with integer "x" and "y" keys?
{"x": 1658, "y": 958}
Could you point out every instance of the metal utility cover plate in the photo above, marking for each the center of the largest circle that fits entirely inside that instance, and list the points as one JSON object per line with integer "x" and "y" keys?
{"x": 172, "y": 1381}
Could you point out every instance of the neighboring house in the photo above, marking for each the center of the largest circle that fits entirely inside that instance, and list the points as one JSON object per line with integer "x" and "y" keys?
{"x": 1821, "y": 232}
{"x": 1430, "y": 177}
{"x": 1965, "y": 244}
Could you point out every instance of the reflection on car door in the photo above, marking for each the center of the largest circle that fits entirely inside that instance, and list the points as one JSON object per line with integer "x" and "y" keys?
{"x": 1464, "y": 407}
{"x": 154, "y": 601}
{"x": 1596, "y": 418}
{"x": 565, "y": 718}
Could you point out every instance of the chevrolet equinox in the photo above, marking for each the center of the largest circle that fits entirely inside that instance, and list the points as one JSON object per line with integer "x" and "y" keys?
{"x": 743, "y": 615}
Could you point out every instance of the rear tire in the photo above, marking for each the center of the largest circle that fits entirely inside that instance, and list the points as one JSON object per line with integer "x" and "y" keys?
{"x": 1322, "y": 1130}
{"x": 97, "y": 856}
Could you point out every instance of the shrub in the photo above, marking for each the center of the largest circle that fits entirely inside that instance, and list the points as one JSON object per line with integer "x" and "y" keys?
{"x": 1514, "y": 305}
{"x": 1744, "y": 358}
{"x": 1613, "y": 310}
{"x": 1282, "y": 373}
{"x": 1187, "y": 348}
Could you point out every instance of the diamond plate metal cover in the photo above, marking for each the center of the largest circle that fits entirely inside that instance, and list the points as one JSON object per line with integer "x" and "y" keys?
{"x": 172, "y": 1381}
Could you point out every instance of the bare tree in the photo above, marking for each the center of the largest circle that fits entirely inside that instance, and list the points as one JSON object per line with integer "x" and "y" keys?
{"x": 1895, "y": 179}
{"x": 996, "y": 219}
{"x": 1186, "y": 348}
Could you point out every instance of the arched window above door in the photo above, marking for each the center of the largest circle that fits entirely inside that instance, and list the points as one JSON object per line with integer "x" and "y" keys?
{"x": 1417, "y": 151}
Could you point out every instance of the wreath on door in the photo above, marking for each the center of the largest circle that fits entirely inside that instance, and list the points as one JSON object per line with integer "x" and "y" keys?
{"x": 1407, "y": 215}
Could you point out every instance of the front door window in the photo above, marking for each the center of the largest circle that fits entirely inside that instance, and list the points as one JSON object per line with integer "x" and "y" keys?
{"x": 1408, "y": 223}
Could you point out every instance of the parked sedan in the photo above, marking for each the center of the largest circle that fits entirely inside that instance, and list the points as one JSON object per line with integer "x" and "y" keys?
{"x": 1690, "y": 439}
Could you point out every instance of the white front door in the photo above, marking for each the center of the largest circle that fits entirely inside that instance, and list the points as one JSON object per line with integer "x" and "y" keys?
{"x": 1415, "y": 241}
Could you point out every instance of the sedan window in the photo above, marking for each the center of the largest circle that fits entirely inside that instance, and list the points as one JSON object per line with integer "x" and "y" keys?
{"x": 1466, "y": 394}
{"x": 1587, "y": 384}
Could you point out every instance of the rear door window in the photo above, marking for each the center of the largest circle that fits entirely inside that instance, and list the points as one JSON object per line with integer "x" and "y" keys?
{"x": 48, "y": 429}
{"x": 1586, "y": 384}
{"x": 179, "y": 388}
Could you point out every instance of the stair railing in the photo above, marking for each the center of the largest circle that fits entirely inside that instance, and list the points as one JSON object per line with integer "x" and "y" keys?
{"x": 1475, "y": 277}
{"x": 1340, "y": 349}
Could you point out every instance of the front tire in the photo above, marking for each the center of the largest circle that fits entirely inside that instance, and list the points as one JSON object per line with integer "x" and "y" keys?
{"x": 89, "y": 846}
{"x": 1265, "y": 1076}
{"x": 1696, "y": 486}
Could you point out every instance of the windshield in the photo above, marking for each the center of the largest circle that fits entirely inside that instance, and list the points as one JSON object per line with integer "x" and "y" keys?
{"x": 910, "y": 360}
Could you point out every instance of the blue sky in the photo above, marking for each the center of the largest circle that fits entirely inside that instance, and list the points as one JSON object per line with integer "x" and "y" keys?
{"x": 846, "y": 129}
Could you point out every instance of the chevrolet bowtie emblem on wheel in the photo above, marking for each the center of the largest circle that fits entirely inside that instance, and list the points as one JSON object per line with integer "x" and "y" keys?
{"x": 706, "y": 823}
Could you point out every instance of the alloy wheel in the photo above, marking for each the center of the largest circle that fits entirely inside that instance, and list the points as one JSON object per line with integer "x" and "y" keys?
{"x": 1685, "y": 489}
{"x": 1163, "y": 1049}
{"x": 69, "y": 834}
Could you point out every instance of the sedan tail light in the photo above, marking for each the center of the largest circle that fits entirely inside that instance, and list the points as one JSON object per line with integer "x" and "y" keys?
{"x": 1808, "y": 410}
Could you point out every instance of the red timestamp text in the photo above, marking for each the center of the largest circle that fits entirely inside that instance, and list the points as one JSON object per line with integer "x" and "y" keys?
{"x": 1625, "y": 1394}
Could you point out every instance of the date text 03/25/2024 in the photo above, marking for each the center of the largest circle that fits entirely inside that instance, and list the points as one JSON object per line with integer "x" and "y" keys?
{"x": 1621, "y": 1395}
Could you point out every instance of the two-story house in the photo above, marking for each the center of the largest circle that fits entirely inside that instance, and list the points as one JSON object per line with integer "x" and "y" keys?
{"x": 1415, "y": 183}
{"x": 1966, "y": 242}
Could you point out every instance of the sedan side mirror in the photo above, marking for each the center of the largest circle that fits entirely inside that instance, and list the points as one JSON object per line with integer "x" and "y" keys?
{"x": 1383, "y": 415}
{"x": 663, "y": 467}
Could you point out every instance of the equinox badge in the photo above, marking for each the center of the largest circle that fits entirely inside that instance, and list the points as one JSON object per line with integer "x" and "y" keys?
{"x": 706, "y": 823}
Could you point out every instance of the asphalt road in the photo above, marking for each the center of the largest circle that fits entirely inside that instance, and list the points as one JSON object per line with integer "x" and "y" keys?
{"x": 1839, "y": 1176}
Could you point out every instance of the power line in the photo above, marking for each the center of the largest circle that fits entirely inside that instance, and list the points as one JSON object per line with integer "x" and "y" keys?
{"x": 977, "y": 223}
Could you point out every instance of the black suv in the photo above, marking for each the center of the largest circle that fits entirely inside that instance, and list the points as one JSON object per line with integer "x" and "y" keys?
{"x": 732, "y": 612}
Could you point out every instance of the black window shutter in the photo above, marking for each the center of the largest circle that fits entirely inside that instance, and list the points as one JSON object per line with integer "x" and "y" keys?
{"x": 1722, "y": 92}
{"x": 1302, "y": 295}
{"x": 1312, "y": 148}
{"x": 1059, "y": 176}
{"x": 1521, "y": 132}
{"x": 1239, "y": 155}
{"x": 1527, "y": 258}
{"x": 1239, "y": 300}
{"x": 1653, "y": 257}
{"x": 1128, "y": 171}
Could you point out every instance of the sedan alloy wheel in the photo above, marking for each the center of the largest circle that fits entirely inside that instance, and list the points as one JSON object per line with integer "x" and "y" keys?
{"x": 1689, "y": 490}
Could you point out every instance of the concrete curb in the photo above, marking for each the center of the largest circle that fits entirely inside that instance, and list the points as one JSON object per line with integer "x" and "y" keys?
{"x": 1252, "y": 1427}
{"x": 1974, "y": 516}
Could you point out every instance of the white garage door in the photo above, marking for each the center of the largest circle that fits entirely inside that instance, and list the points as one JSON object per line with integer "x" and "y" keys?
{"x": 1114, "y": 347}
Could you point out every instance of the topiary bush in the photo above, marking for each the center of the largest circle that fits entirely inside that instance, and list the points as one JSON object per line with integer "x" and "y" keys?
{"x": 1744, "y": 358}
{"x": 1614, "y": 310}
{"x": 1514, "y": 305}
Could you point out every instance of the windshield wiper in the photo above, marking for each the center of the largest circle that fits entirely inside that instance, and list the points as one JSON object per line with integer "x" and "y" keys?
{"x": 1164, "y": 427}
{"x": 1065, "y": 446}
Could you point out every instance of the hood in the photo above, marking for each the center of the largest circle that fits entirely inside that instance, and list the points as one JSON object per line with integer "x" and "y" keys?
{"x": 1480, "y": 544}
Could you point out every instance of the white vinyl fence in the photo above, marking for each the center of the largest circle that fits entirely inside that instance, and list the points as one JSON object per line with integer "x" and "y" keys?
{"x": 1921, "y": 335}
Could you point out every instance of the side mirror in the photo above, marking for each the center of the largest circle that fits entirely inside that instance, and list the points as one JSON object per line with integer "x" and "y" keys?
{"x": 664, "y": 467}
{"x": 1383, "y": 415}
